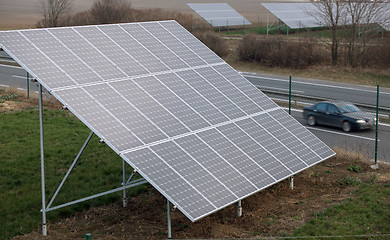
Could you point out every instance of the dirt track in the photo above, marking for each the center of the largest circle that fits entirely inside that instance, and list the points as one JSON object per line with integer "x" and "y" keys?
{"x": 276, "y": 211}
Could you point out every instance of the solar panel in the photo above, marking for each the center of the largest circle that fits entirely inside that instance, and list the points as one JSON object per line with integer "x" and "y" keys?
{"x": 303, "y": 15}
{"x": 198, "y": 131}
{"x": 295, "y": 15}
{"x": 219, "y": 14}
{"x": 384, "y": 20}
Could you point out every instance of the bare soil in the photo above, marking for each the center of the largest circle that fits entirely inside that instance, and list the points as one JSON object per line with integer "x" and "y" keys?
{"x": 275, "y": 211}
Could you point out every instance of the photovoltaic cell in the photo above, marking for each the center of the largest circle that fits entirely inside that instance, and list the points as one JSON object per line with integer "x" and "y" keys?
{"x": 219, "y": 14}
{"x": 192, "y": 126}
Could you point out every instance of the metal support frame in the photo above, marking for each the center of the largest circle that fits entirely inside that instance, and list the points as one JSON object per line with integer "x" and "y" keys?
{"x": 271, "y": 27}
{"x": 239, "y": 209}
{"x": 28, "y": 85}
{"x": 169, "y": 219}
{"x": 44, "y": 227}
{"x": 292, "y": 182}
{"x": 70, "y": 169}
{"x": 124, "y": 199}
{"x": 46, "y": 208}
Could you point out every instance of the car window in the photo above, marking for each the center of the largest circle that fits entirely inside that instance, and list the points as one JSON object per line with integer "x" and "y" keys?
{"x": 332, "y": 108}
{"x": 349, "y": 108}
{"x": 321, "y": 107}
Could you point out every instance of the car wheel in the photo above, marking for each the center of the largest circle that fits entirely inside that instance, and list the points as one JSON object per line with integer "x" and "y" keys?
{"x": 346, "y": 126}
{"x": 311, "y": 120}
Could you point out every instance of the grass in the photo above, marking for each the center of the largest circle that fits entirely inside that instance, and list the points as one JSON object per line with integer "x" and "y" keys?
{"x": 256, "y": 30}
{"x": 7, "y": 95}
{"x": 322, "y": 33}
{"x": 98, "y": 169}
{"x": 367, "y": 213}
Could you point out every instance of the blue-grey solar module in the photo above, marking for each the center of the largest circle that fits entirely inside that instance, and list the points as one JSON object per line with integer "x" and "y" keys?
{"x": 198, "y": 131}
{"x": 384, "y": 19}
{"x": 296, "y": 15}
{"x": 219, "y": 14}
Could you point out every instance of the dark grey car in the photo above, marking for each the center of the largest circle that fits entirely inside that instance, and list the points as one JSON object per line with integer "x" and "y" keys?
{"x": 338, "y": 114}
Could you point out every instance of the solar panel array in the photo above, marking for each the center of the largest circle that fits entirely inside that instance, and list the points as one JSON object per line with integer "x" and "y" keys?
{"x": 198, "y": 131}
{"x": 303, "y": 15}
{"x": 295, "y": 15}
{"x": 384, "y": 21}
{"x": 219, "y": 14}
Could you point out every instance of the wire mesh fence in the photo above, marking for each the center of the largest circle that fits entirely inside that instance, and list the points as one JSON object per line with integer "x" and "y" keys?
{"x": 341, "y": 115}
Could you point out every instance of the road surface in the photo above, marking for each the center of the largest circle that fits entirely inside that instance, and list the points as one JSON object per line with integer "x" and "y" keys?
{"x": 363, "y": 141}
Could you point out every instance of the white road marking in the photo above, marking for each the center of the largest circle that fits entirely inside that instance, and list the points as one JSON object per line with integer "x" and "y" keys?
{"x": 10, "y": 66}
{"x": 17, "y": 76}
{"x": 2, "y": 85}
{"x": 345, "y": 134}
{"x": 317, "y": 84}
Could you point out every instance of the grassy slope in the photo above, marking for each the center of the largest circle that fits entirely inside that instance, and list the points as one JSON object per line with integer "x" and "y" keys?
{"x": 366, "y": 212}
{"x": 99, "y": 168}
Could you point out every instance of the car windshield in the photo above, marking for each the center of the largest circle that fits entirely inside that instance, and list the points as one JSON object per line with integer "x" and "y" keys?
{"x": 348, "y": 108}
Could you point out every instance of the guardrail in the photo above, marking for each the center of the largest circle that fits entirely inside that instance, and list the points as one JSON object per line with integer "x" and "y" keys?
{"x": 385, "y": 110}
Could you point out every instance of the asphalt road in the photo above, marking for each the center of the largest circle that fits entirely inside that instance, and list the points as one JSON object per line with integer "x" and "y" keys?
{"x": 363, "y": 141}
{"x": 362, "y": 95}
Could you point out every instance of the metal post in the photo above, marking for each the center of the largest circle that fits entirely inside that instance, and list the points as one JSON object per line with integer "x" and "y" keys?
{"x": 28, "y": 85}
{"x": 123, "y": 183}
{"x": 169, "y": 219}
{"x": 239, "y": 209}
{"x": 44, "y": 227}
{"x": 267, "y": 24}
{"x": 376, "y": 166}
{"x": 70, "y": 169}
{"x": 289, "y": 97}
{"x": 289, "y": 112}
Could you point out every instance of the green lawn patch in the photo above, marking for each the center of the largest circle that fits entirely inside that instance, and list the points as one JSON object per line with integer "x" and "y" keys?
{"x": 99, "y": 168}
{"x": 367, "y": 213}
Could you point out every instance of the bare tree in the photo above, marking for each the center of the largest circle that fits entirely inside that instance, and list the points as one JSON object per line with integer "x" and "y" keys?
{"x": 363, "y": 20}
{"x": 333, "y": 15}
{"x": 111, "y": 11}
{"x": 53, "y": 10}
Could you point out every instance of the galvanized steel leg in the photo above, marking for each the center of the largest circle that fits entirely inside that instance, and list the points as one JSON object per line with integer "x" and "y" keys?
{"x": 292, "y": 182}
{"x": 239, "y": 209}
{"x": 169, "y": 219}
{"x": 44, "y": 227}
{"x": 123, "y": 183}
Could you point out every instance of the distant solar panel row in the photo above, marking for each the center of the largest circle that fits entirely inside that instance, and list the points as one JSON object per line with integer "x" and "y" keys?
{"x": 305, "y": 15}
{"x": 190, "y": 124}
{"x": 219, "y": 14}
{"x": 295, "y": 15}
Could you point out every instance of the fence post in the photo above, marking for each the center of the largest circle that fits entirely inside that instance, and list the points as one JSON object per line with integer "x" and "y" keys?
{"x": 376, "y": 166}
{"x": 289, "y": 112}
{"x": 289, "y": 97}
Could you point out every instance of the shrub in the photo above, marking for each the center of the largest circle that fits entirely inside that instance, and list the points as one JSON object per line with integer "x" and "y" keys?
{"x": 377, "y": 55}
{"x": 214, "y": 42}
{"x": 278, "y": 52}
{"x": 350, "y": 181}
{"x": 355, "y": 168}
{"x": 110, "y": 11}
